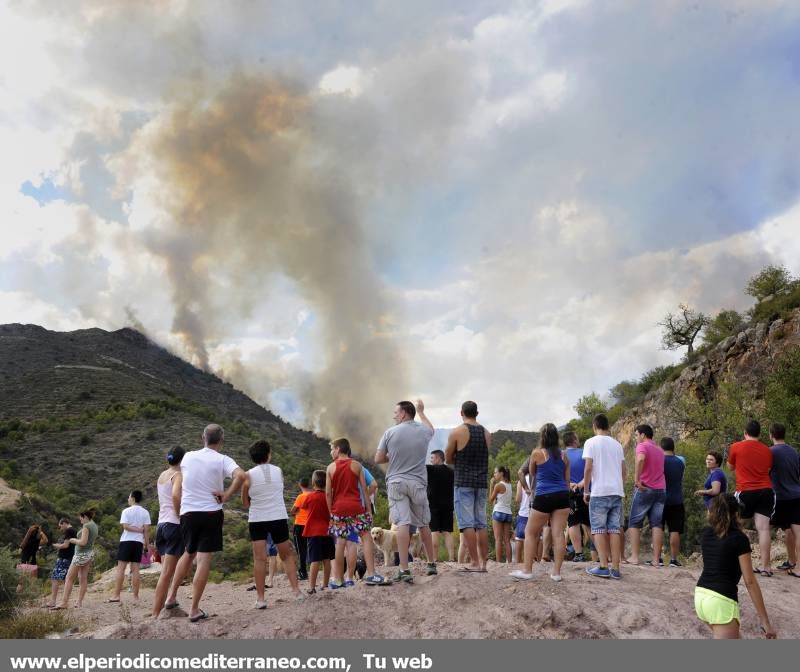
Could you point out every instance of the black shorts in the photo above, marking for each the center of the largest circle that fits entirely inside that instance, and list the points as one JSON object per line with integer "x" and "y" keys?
{"x": 277, "y": 529}
{"x": 551, "y": 502}
{"x": 320, "y": 548}
{"x": 169, "y": 540}
{"x": 202, "y": 531}
{"x": 756, "y": 501}
{"x": 130, "y": 551}
{"x": 675, "y": 517}
{"x": 787, "y": 513}
{"x": 441, "y": 520}
{"x": 578, "y": 510}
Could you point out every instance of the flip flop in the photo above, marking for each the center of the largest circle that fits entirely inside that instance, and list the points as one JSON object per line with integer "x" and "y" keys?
{"x": 57, "y": 608}
{"x": 791, "y": 572}
{"x": 172, "y": 605}
{"x": 112, "y": 601}
{"x": 765, "y": 572}
{"x": 469, "y": 570}
{"x": 199, "y": 617}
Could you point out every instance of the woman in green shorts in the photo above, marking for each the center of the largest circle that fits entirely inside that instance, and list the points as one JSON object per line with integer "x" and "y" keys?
{"x": 726, "y": 559}
{"x": 82, "y": 560}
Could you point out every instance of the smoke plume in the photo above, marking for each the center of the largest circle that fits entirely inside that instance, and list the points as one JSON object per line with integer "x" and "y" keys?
{"x": 248, "y": 190}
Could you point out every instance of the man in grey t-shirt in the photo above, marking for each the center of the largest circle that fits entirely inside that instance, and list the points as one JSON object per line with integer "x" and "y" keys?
{"x": 404, "y": 448}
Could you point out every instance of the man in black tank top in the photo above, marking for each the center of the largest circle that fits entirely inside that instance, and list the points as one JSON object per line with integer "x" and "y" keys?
{"x": 468, "y": 449}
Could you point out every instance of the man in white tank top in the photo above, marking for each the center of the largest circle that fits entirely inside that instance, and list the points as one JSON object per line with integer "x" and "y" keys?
{"x": 200, "y": 488}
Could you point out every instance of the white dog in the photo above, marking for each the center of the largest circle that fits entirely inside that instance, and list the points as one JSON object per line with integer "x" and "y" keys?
{"x": 386, "y": 541}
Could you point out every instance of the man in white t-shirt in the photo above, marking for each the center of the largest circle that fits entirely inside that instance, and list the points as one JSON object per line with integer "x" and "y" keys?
{"x": 604, "y": 475}
{"x": 135, "y": 520}
{"x": 199, "y": 486}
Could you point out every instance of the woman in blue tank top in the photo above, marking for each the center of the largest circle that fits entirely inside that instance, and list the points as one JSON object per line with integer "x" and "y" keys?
{"x": 550, "y": 468}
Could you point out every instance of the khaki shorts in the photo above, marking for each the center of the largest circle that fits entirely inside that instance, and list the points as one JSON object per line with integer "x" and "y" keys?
{"x": 408, "y": 503}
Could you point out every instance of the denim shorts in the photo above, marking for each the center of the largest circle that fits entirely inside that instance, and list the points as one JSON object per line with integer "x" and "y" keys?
{"x": 500, "y": 517}
{"x": 470, "y": 506}
{"x": 522, "y": 521}
{"x": 648, "y": 503}
{"x": 605, "y": 514}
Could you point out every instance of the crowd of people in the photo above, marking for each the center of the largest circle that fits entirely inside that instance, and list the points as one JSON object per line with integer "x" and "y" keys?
{"x": 569, "y": 501}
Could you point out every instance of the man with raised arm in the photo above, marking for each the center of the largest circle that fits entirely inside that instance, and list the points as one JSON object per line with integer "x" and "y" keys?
{"x": 468, "y": 449}
{"x": 404, "y": 448}
{"x": 199, "y": 487}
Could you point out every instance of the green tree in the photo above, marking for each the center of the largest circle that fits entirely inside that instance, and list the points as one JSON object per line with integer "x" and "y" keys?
{"x": 682, "y": 328}
{"x": 725, "y": 323}
{"x": 768, "y": 281}
{"x": 590, "y": 405}
{"x": 627, "y": 393}
{"x": 782, "y": 395}
{"x": 656, "y": 377}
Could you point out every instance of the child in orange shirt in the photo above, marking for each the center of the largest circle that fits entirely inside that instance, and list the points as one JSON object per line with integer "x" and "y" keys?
{"x": 300, "y": 517}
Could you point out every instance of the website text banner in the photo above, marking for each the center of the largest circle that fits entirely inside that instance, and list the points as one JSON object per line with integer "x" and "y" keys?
{"x": 392, "y": 655}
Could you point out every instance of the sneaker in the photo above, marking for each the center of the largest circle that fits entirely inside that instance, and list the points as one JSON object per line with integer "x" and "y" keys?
{"x": 312, "y": 591}
{"x": 556, "y": 577}
{"x": 599, "y": 572}
{"x": 431, "y": 569}
{"x": 661, "y": 562}
{"x": 519, "y": 575}
{"x": 334, "y": 585}
{"x": 579, "y": 557}
{"x": 261, "y": 604}
{"x": 375, "y": 580}
{"x": 614, "y": 574}
{"x": 405, "y": 576}
{"x": 674, "y": 563}
{"x": 785, "y": 565}
{"x": 349, "y": 584}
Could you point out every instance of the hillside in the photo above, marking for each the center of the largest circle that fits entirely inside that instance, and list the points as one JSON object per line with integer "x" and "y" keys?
{"x": 90, "y": 414}
{"x": 748, "y": 358}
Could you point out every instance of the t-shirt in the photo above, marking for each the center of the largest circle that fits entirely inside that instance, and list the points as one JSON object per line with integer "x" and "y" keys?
{"x": 652, "y": 474}
{"x": 137, "y": 516}
{"x": 785, "y": 472}
{"x": 369, "y": 479}
{"x": 204, "y": 473}
{"x": 301, "y": 516}
{"x": 721, "y": 570}
{"x": 576, "y": 464}
{"x": 751, "y": 460}
{"x": 674, "y": 466}
{"x": 69, "y": 551}
{"x": 319, "y": 518}
{"x": 440, "y": 487}
{"x": 524, "y": 502}
{"x": 715, "y": 475}
{"x": 266, "y": 494}
{"x": 607, "y": 457}
{"x": 406, "y": 445}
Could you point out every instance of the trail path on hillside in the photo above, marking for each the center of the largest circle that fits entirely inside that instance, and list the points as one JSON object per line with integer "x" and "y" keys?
{"x": 647, "y": 603}
{"x": 8, "y": 496}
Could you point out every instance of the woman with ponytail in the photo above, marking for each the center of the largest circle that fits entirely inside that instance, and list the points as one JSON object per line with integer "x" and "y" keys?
{"x": 726, "y": 559}
{"x": 82, "y": 559}
{"x": 169, "y": 542}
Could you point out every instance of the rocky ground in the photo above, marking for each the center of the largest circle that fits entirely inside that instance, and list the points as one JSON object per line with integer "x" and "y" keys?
{"x": 8, "y": 496}
{"x": 647, "y": 603}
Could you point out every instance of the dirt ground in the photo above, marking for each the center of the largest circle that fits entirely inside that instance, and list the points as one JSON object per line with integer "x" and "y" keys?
{"x": 8, "y": 496}
{"x": 647, "y": 603}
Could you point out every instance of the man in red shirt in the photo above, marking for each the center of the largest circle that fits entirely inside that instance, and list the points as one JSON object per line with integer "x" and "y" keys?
{"x": 751, "y": 461}
{"x": 348, "y": 515}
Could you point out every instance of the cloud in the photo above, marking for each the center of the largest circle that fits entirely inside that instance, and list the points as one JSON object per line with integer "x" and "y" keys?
{"x": 488, "y": 200}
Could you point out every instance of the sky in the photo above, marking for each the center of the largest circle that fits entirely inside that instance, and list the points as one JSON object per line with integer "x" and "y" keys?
{"x": 339, "y": 205}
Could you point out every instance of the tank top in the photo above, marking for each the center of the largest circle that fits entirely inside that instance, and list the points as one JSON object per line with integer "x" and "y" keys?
{"x": 344, "y": 484}
{"x": 550, "y": 477}
{"x": 502, "y": 503}
{"x": 166, "y": 511}
{"x": 472, "y": 462}
{"x": 91, "y": 526}
{"x": 266, "y": 494}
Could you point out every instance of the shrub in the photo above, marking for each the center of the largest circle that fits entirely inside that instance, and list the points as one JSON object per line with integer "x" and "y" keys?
{"x": 33, "y": 624}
